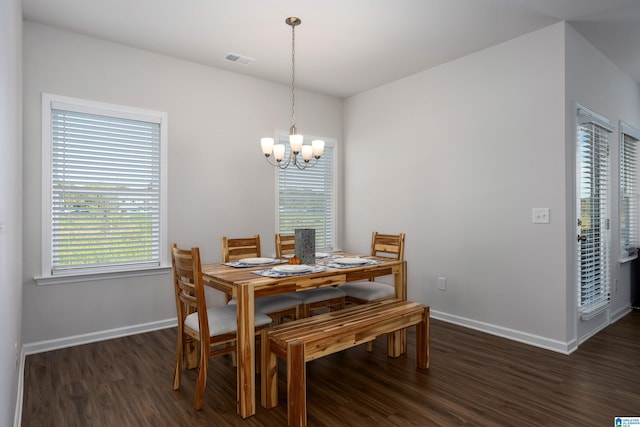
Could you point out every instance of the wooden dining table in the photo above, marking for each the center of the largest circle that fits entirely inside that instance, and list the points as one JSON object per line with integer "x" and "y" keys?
{"x": 245, "y": 286}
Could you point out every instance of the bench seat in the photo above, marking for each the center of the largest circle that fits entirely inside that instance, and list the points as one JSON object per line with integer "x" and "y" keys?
{"x": 308, "y": 339}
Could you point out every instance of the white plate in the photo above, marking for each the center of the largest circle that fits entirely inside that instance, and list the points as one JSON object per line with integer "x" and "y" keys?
{"x": 322, "y": 255}
{"x": 350, "y": 261}
{"x": 256, "y": 261}
{"x": 292, "y": 268}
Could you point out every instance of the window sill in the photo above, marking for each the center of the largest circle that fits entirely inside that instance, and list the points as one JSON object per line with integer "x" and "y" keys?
{"x": 74, "y": 278}
{"x": 628, "y": 258}
{"x": 594, "y": 311}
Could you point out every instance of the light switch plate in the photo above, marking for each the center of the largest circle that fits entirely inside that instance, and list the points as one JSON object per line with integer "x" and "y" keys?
{"x": 541, "y": 215}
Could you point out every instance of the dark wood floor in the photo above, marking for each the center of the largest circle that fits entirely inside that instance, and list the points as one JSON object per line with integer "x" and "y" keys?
{"x": 475, "y": 379}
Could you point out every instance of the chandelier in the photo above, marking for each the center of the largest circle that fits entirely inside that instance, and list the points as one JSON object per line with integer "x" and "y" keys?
{"x": 296, "y": 146}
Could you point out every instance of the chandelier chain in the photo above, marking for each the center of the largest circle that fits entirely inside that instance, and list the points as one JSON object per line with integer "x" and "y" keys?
{"x": 293, "y": 76}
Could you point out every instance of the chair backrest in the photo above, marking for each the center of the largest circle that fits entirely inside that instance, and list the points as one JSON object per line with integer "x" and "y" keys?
{"x": 388, "y": 245}
{"x": 235, "y": 249}
{"x": 189, "y": 288}
{"x": 285, "y": 245}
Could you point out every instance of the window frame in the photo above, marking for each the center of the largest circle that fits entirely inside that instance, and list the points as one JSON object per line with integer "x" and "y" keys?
{"x": 633, "y": 222}
{"x": 283, "y": 137}
{"x": 114, "y": 271}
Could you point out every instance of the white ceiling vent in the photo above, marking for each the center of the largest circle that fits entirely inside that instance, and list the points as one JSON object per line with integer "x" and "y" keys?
{"x": 239, "y": 59}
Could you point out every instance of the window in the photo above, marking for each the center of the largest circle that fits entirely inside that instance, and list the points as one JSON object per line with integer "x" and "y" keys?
{"x": 593, "y": 224}
{"x": 306, "y": 198}
{"x": 104, "y": 181}
{"x": 628, "y": 190}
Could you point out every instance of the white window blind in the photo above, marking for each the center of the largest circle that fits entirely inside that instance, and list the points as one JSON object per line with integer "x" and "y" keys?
{"x": 593, "y": 188}
{"x": 105, "y": 206}
{"x": 628, "y": 189}
{"x": 306, "y": 198}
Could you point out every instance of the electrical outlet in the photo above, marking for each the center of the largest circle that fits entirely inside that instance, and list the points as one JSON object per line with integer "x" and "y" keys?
{"x": 541, "y": 215}
{"x": 442, "y": 283}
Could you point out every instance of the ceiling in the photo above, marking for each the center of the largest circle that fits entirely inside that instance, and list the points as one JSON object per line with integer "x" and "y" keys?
{"x": 343, "y": 47}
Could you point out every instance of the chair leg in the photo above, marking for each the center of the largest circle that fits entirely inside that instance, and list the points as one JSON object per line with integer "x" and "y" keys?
{"x": 202, "y": 375}
{"x": 258, "y": 354}
{"x": 177, "y": 372}
{"x": 191, "y": 351}
{"x": 306, "y": 310}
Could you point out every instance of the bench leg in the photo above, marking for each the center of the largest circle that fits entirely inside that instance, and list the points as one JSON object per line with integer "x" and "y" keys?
{"x": 394, "y": 343}
{"x": 269, "y": 374}
{"x": 370, "y": 346}
{"x": 422, "y": 341}
{"x": 296, "y": 384}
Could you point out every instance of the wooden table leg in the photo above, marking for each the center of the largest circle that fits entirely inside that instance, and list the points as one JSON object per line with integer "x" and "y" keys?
{"x": 269, "y": 374}
{"x": 397, "y": 341}
{"x": 246, "y": 351}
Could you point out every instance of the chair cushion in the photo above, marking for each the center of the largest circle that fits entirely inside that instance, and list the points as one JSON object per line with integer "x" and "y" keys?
{"x": 368, "y": 291}
{"x": 222, "y": 320}
{"x": 272, "y": 303}
{"x": 321, "y": 294}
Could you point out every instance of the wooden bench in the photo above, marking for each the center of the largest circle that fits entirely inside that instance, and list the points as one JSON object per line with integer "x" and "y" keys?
{"x": 308, "y": 339}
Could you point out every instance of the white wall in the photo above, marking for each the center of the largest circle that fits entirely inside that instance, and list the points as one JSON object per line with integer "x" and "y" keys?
{"x": 219, "y": 182}
{"x": 464, "y": 151}
{"x": 596, "y": 83}
{"x": 10, "y": 209}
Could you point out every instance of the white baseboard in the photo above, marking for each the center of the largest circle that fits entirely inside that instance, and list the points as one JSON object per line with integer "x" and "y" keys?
{"x": 512, "y": 334}
{"x": 620, "y": 314}
{"x": 42, "y": 346}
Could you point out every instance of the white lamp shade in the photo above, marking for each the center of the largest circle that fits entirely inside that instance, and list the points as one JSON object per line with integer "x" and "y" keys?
{"x": 295, "y": 141}
{"x": 267, "y": 146}
{"x": 307, "y": 152}
{"x": 318, "y": 147}
{"x": 278, "y": 151}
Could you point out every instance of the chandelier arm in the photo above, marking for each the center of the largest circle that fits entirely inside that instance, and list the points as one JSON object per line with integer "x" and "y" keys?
{"x": 284, "y": 165}
{"x": 307, "y": 164}
{"x": 280, "y": 164}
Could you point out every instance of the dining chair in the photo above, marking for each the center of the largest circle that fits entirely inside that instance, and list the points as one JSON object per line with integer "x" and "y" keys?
{"x": 285, "y": 245}
{"x": 213, "y": 328}
{"x": 278, "y": 307}
{"x": 235, "y": 249}
{"x": 329, "y": 297}
{"x": 366, "y": 291}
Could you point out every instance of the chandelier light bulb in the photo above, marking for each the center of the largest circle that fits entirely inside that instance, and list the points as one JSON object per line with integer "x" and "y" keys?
{"x": 317, "y": 147}
{"x": 267, "y": 146}
{"x": 295, "y": 142}
{"x": 278, "y": 152}
{"x": 307, "y": 153}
